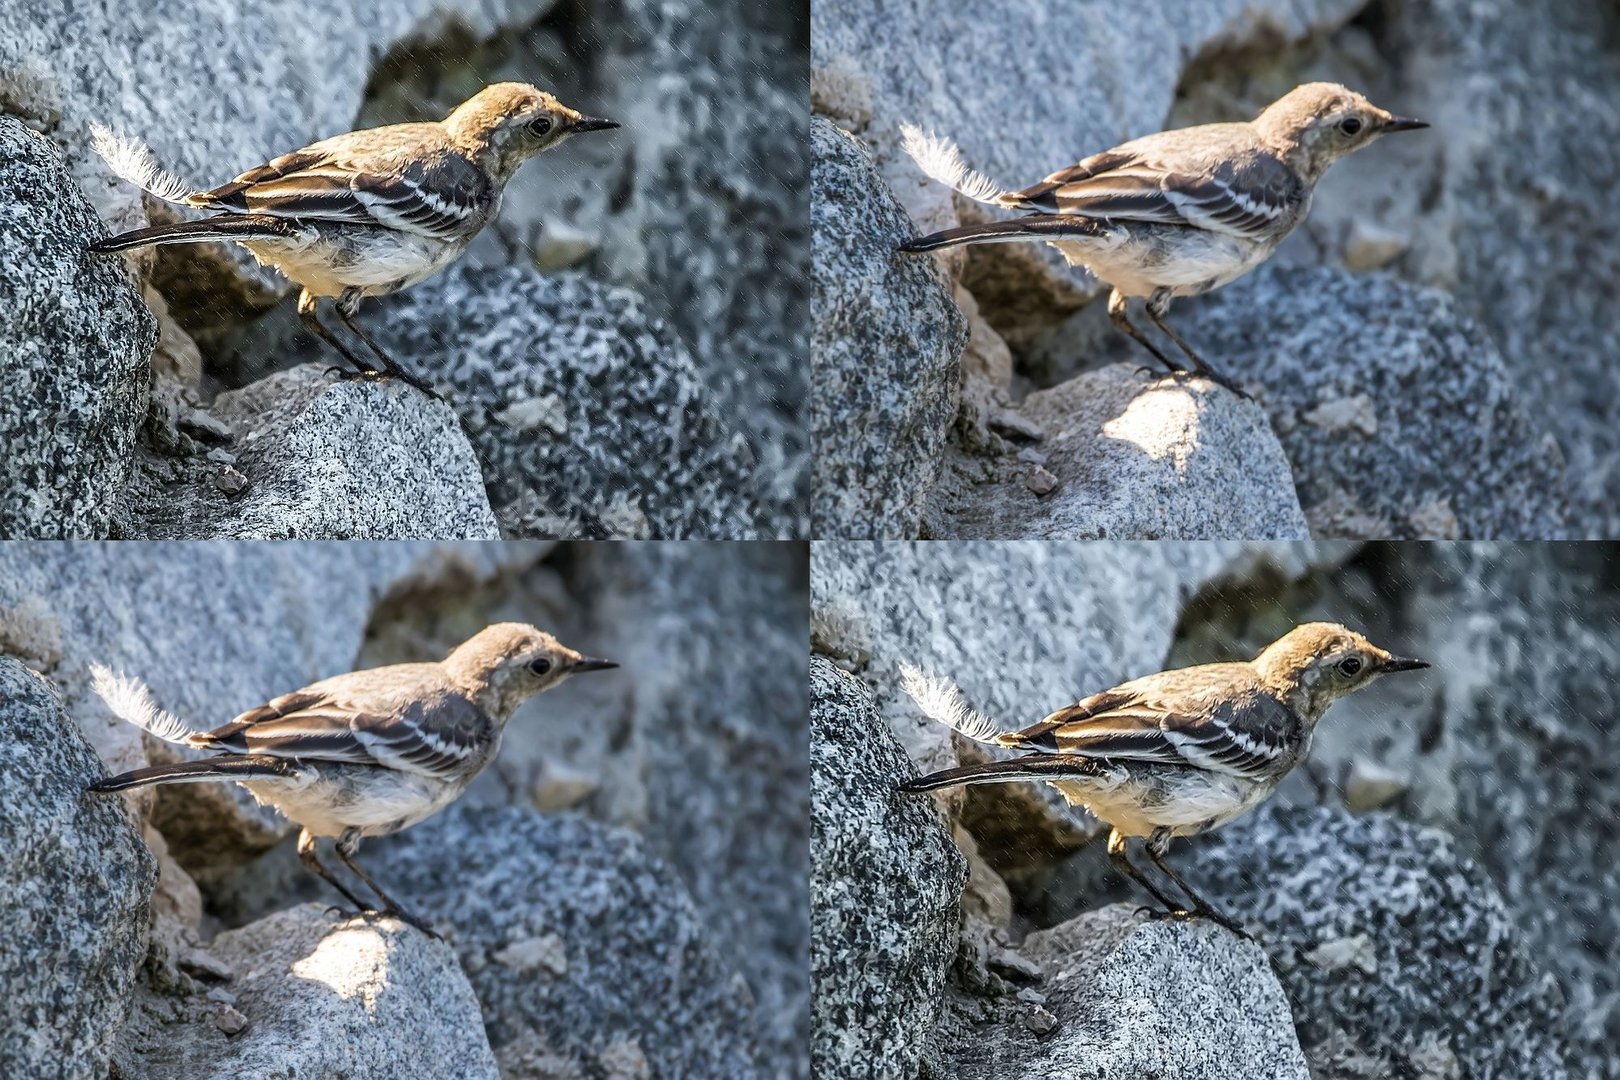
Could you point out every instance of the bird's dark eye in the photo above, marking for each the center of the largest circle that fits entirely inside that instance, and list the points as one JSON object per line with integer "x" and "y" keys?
{"x": 540, "y": 666}
{"x": 1350, "y": 666}
{"x": 1350, "y": 125}
{"x": 541, "y": 126}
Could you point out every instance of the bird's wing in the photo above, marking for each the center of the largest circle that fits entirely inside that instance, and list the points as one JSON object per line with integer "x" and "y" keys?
{"x": 427, "y": 731}
{"x": 1136, "y": 723}
{"x": 435, "y": 192}
{"x": 1248, "y": 195}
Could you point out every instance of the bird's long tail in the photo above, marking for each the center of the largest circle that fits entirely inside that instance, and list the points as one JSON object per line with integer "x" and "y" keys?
{"x": 209, "y": 770}
{"x": 244, "y": 227}
{"x": 1029, "y": 767}
{"x": 1018, "y": 230}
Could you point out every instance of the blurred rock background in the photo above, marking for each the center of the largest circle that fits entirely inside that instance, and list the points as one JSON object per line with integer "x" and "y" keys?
{"x": 1433, "y": 348}
{"x": 622, "y": 893}
{"x": 623, "y": 350}
{"x": 1434, "y": 890}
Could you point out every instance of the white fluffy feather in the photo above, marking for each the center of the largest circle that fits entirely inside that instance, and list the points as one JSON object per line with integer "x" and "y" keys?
{"x": 132, "y": 160}
{"x": 130, "y": 700}
{"x": 941, "y": 701}
{"x": 939, "y": 158}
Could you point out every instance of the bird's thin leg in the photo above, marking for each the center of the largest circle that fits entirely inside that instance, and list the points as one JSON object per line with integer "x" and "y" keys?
{"x": 307, "y": 856}
{"x": 1122, "y": 322}
{"x": 1122, "y": 862}
{"x": 306, "y": 312}
{"x": 1157, "y": 307}
{"x": 1156, "y": 847}
{"x": 348, "y": 304}
{"x": 347, "y": 845}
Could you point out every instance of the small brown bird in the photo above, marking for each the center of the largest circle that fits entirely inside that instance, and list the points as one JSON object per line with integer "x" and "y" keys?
{"x": 366, "y": 213}
{"x": 1177, "y": 753}
{"x": 363, "y": 754}
{"x": 1174, "y": 214}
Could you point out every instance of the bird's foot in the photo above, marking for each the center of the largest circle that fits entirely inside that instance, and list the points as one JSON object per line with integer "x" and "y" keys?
{"x": 1153, "y": 914}
{"x": 344, "y": 913}
{"x": 351, "y": 375}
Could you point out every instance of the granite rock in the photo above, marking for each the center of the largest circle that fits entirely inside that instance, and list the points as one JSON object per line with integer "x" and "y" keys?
{"x": 76, "y": 340}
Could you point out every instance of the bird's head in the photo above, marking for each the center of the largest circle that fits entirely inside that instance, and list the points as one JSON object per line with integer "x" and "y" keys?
{"x": 504, "y": 665}
{"x": 505, "y": 124}
{"x": 1317, "y": 663}
{"x": 1316, "y": 124}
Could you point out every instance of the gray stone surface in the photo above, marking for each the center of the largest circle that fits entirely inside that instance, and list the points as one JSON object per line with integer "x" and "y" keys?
{"x": 1532, "y": 211}
{"x": 586, "y": 411}
{"x": 75, "y": 339}
{"x": 328, "y": 460}
{"x": 1133, "y": 458}
{"x": 239, "y": 86}
{"x": 1123, "y": 994}
{"x": 886, "y": 345}
{"x": 213, "y": 629}
{"x": 1117, "y": 81}
{"x": 1395, "y": 949}
{"x": 325, "y": 997}
{"x": 886, "y": 882}
{"x": 576, "y": 938}
{"x": 75, "y": 890}
{"x": 1398, "y": 415}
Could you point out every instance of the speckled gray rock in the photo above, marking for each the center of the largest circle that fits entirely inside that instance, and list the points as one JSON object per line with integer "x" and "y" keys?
{"x": 1133, "y": 459}
{"x": 75, "y": 888}
{"x": 576, "y": 938}
{"x": 328, "y": 460}
{"x": 886, "y": 346}
{"x": 1120, "y": 991}
{"x": 1395, "y": 949}
{"x": 885, "y": 887}
{"x": 325, "y": 997}
{"x": 1529, "y": 225}
{"x": 239, "y": 87}
{"x": 75, "y": 338}
{"x": 1397, "y": 413}
{"x": 1118, "y": 79}
{"x": 585, "y": 409}
{"x": 1023, "y": 628}
{"x": 213, "y": 629}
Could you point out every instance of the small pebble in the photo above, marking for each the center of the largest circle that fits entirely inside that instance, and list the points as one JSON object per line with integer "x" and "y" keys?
{"x": 1040, "y": 481}
{"x": 1039, "y": 1021}
{"x": 229, "y": 481}
{"x": 1031, "y": 456}
{"x": 221, "y": 996}
{"x": 229, "y": 1020}
{"x": 1008, "y": 422}
{"x": 221, "y": 456}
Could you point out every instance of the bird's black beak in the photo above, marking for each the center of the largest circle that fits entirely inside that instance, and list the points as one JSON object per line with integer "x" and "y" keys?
{"x": 1404, "y": 123}
{"x": 591, "y": 663}
{"x": 594, "y": 123}
{"x": 1402, "y": 663}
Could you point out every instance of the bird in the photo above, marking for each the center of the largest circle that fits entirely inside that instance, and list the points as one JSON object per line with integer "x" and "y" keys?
{"x": 1172, "y": 754}
{"x": 363, "y": 214}
{"x": 368, "y": 753}
{"x": 1177, "y": 213}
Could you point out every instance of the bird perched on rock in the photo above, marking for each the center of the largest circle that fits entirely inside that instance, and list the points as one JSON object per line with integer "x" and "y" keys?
{"x": 1174, "y": 214}
{"x": 363, "y": 754}
{"x": 366, "y": 213}
{"x": 1177, "y": 753}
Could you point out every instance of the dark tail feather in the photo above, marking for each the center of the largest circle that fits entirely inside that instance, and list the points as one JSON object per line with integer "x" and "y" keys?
{"x": 1034, "y": 227}
{"x": 1029, "y": 767}
{"x": 214, "y": 769}
{"x": 241, "y": 227}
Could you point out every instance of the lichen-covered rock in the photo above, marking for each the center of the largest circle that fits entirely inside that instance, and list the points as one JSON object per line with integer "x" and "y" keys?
{"x": 75, "y": 891}
{"x": 886, "y": 346}
{"x": 325, "y": 460}
{"x": 1130, "y": 460}
{"x": 1119, "y": 80}
{"x": 886, "y": 883}
{"x": 586, "y": 411}
{"x": 577, "y": 940}
{"x": 213, "y": 629}
{"x": 75, "y": 338}
{"x": 1398, "y": 416}
{"x": 1115, "y": 1000}
{"x": 317, "y": 996}
{"x": 1395, "y": 949}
